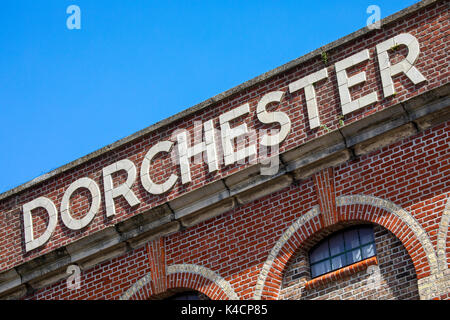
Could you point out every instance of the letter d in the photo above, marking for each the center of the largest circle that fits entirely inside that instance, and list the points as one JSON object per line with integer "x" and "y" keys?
{"x": 47, "y": 204}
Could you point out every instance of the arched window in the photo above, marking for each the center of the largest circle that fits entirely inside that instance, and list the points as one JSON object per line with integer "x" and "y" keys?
{"x": 341, "y": 249}
{"x": 188, "y": 295}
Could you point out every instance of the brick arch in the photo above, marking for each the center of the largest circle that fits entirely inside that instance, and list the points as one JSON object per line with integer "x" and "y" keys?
{"x": 397, "y": 220}
{"x": 189, "y": 276}
{"x": 442, "y": 237}
{"x": 269, "y": 279}
{"x": 140, "y": 290}
{"x": 201, "y": 279}
{"x": 349, "y": 208}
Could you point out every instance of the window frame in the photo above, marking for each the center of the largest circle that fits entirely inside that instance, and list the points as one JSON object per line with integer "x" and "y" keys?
{"x": 185, "y": 295}
{"x": 344, "y": 252}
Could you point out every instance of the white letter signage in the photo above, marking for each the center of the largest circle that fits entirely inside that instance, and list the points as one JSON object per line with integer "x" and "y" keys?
{"x": 47, "y": 204}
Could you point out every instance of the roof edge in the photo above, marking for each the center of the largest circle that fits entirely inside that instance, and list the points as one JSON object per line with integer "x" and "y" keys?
{"x": 215, "y": 99}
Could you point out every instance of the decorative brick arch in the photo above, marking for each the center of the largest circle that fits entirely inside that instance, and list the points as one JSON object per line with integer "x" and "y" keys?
{"x": 189, "y": 276}
{"x": 353, "y": 208}
{"x": 397, "y": 220}
{"x": 442, "y": 237}
{"x": 201, "y": 279}
{"x": 141, "y": 290}
{"x": 269, "y": 279}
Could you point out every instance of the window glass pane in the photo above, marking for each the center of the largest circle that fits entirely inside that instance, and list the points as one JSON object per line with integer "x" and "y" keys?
{"x": 342, "y": 249}
{"x": 368, "y": 251}
{"x": 338, "y": 262}
{"x": 366, "y": 235}
{"x": 320, "y": 268}
{"x": 351, "y": 239}
{"x": 354, "y": 256}
{"x": 320, "y": 252}
{"x": 337, "y": 244}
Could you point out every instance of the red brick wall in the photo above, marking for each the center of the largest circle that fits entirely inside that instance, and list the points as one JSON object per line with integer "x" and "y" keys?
{"x": 412, "y": 173}
{"x": 104, "y": 281}
{"x": 236, "y": 244}
{"x": 429, "y": 25}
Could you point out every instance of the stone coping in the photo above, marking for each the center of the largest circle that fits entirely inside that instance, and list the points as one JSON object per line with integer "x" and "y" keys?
{"x": 211, "y": 101}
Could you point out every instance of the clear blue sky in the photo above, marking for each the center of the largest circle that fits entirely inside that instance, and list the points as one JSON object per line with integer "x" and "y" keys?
{"x": 63, "y": 93}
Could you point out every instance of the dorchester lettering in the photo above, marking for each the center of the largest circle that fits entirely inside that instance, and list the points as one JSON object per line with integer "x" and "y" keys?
{"x": 194, "y": 310}
{"x": 229, "y": 134}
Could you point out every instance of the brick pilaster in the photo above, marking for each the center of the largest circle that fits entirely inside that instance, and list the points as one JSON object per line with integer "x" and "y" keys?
{"x": 157, "y": 259}
{"x": 324, "y": 185}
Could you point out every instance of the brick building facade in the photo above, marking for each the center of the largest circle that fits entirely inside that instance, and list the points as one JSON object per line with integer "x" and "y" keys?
{"x": 364, "y": 135}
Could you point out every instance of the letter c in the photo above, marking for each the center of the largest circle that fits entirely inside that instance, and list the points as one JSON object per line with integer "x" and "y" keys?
{"x": 147, "y": 183}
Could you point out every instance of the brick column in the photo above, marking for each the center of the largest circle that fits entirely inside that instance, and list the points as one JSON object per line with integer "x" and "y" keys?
{"x": 324, "y": 185}
{"x": 157, "y": 260}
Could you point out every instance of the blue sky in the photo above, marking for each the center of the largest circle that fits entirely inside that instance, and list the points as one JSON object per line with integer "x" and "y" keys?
{"x": 64, "y": 93}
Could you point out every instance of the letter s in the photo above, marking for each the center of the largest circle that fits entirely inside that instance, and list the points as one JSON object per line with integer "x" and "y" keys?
{"x": 266, "y": 117}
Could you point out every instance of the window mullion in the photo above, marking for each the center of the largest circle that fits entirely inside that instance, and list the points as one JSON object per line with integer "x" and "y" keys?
{"x": 345, "y": 251}
{"x": 360, "y": 244}
{"x": 329, "y": 255}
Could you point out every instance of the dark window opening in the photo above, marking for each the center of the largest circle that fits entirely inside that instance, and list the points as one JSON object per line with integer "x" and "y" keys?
{"x": 341, "y": 249}
{"x": 186, "y": 295}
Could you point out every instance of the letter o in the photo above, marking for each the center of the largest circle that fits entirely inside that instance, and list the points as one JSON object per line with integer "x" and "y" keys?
{"x": 76, "y": 224}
